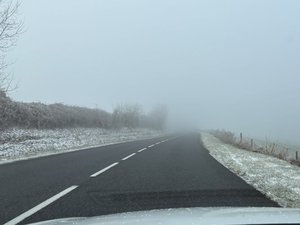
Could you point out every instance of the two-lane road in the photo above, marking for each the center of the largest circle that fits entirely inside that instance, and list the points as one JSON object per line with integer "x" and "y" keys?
{"x": 149, "y": 174}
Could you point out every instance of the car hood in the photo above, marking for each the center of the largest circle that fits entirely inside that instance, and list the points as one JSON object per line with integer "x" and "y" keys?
{"x": 207, "y": 216}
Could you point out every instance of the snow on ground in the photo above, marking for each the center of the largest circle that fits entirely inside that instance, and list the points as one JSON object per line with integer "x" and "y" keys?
{"x": 277, "y": 179}
{"x": 26, "y": 143}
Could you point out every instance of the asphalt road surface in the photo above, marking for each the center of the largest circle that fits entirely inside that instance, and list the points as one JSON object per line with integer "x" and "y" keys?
{"x": 165, "y": 172}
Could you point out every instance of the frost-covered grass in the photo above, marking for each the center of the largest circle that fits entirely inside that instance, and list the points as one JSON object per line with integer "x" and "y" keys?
{"x": 23, "y": 143}
{"x": 277, "y": 179}
{"x": 271, "y": 148}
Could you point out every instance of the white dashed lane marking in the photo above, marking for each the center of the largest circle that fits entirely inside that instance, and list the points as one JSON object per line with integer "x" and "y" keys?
{"x": 127, "y": 157}
{"x": 105, "y": 169}
{"x": 40, "y": 206}
{"x": 143, "y": 149}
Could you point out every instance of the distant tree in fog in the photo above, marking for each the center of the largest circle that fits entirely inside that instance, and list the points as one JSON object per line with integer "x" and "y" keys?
{"x": 155, "y": 119}
{"x": 158, "y": 117}
{"x": 127, "y": 115}
{"x": 132, "y": 116}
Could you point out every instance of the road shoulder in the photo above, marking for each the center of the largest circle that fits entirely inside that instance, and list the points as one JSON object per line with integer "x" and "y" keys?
{"x": 277, "y": 179}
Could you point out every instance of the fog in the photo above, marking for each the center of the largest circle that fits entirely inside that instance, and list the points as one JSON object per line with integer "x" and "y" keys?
{"x": 215, "y": 64}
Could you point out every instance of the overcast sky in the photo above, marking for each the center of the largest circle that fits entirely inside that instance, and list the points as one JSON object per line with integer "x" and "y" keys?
{"x": 219, "y": 64}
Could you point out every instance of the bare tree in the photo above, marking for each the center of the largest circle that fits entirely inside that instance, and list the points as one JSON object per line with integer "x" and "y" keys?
{"x": 10, "y": 29}
{"x": 127, "y": 115}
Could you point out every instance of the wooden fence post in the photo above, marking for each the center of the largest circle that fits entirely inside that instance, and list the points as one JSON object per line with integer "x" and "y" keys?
{"x": 252, "y": 144}
{"x": 241, "y": 137}
{"x": 296, "y": 155}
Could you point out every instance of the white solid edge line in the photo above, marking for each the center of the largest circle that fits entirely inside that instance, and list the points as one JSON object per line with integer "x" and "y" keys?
{"x": 40, "y": 206}
{"x": 103, "y": 170}
{"x": 143, "y": 149}
{"x": 127, "y": 157}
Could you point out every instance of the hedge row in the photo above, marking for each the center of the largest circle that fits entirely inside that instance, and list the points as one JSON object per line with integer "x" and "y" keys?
{"x": 39, "y": 115}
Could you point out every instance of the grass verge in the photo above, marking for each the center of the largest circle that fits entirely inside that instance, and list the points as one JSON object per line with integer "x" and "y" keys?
{"x": 269, "y": 148}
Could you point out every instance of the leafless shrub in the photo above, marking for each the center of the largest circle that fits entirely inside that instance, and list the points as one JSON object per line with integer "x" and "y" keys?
{"x": 283, "y": 154}
{"x": 269, "y": 148}
{"x": 225, "y": 136}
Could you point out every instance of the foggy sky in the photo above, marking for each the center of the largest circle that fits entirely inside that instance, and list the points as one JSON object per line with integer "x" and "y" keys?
{"x": 216, "y": 64}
